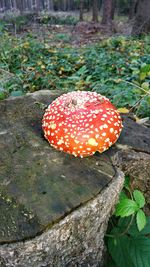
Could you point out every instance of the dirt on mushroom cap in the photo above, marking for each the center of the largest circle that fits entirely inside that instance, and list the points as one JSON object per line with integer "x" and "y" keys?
{"x": 81, "y": 123}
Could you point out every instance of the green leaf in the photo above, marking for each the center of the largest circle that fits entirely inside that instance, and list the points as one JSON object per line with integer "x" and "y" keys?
{"x": 129, "y": 251}
{"x": 2, "y": 95}
{"x": 88, "y": 78}
{"x": 126, "y": 207}
{"x": 145, "y": 85}
{"x": 142, "y": 76}
{"x": 82, "y": 70}
{"x": 111, "y": 264}
{"x": 146, "y": 229}
{"x": 123, "y": 223}
{"x": 139, "y": 198}
{"x": 145, "y": 68}
{"x": 127, "y": 182}
{"x": 136, "y": 71}
{"x": 123, "y": 195}
{"x": 133, "y": 230}
{"x": 118, "y": 249}
{"x": 139, "y": 248}
{"x": 141, "y": 220}
{"x": 74, "y": 78}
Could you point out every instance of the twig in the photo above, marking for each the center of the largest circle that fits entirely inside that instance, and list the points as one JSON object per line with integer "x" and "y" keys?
{"x": 137, "y": 87}
{"x": 128, "y": 226}
{"x": 139, "y": 100}
{"x": 137, "y": 103}
{"x": 125, "y": 231}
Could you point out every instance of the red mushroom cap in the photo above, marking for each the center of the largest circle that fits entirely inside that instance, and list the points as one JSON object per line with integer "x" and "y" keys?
{"x": 81, "y": 123}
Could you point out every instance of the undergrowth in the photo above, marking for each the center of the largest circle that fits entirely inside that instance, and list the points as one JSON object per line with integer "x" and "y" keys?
{"x": 118, "y": 68}
{"x": 127, "y": 237}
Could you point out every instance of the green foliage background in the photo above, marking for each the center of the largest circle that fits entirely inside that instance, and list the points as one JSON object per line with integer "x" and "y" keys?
{"x": 118, "y": 68}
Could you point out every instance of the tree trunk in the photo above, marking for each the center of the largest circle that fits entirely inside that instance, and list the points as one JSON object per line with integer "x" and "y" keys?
{"x": 132, "y": 9}
{"x": 63, "y": 5}
{"x": 142, "y": 20}
{"x": 95, "y": 11}
{"x": 26, "y": 5}
{"x": 7, "y": 5}
{"x": 10, "y": 5}
{"x": 50, "y": 5}
{"x": 81, "y": 10}
{"x": 30, "y": 5}
{"x": 43, "y": 4}
{"x": 113, "y": 9}
{"x": 19, "y": 6}
{"x": 14, "y": 4}
{"x": 37, "y": 6}
{"x": 2, "y": 6}
{"x": 69, "y": 5}
{"x": 107, "y": 9}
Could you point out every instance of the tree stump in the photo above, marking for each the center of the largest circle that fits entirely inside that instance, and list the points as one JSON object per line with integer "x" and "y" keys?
{"x": 142, "y": 18}
{"x": 55, "y": 207}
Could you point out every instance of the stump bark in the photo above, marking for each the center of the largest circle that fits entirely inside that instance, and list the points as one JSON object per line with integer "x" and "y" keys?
{"x": 131, "y": 154}
{"x": 54, "y": 207}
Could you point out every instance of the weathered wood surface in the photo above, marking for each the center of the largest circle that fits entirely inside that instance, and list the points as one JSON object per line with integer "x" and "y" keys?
{"x": 75, "y": 241}
{"x": 39, "y": 185}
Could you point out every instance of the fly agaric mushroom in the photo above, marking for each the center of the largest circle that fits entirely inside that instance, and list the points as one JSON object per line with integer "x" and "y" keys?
{"x": 81, "y": 123}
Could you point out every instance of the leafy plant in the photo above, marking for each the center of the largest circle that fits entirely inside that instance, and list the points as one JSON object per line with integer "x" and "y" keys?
{"x": 62, "y": 37}
{"x": 58, "y": 19}
{"x": 127, "y": 241}
{"x": 127, "y": 207}
{"x": 118, "y": 68}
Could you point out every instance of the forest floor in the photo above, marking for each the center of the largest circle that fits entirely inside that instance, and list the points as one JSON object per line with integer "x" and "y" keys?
{"x": 64, "y": 27}
{"x": 83, "y": 33}
{"x": 77, "y": 56}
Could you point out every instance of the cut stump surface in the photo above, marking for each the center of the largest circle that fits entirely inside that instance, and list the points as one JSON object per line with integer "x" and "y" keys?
{"x": 38, "y": 184}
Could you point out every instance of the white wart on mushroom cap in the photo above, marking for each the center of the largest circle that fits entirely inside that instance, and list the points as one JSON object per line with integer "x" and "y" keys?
{"x": 81, "y": 123}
